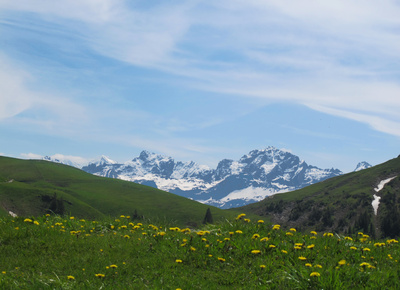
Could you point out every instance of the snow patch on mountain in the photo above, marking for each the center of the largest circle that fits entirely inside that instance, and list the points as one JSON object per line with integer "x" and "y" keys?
{"x": 362, "y": 165}
{"x": 382, "y": 183}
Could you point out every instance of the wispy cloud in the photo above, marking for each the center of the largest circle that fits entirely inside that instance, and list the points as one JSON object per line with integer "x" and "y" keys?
{"x": 335, "y": 57}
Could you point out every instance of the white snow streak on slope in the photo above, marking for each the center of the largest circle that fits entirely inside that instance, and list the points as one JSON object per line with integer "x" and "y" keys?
{"x": 375, "y": 202}
{"x": 382, "y": 183}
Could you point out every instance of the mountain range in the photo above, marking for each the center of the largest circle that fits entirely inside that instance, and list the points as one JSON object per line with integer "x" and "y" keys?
{"x": 256, "y": 175}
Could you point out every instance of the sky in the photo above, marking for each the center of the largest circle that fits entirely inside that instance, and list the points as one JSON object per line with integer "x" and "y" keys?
{"x": 201, "y": 81}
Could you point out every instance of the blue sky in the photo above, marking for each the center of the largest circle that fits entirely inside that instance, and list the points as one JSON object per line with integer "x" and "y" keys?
{"x": 201, "y": 81}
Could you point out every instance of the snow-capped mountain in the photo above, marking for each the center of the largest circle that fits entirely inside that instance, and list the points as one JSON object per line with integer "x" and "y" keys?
{"x": 77, "y": 162}
{"x": 362, "y": 165}
{"x": 233, "y": 183}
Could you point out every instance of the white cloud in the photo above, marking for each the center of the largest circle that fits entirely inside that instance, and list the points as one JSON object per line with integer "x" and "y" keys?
{"x": 335, "y": 57}
{"x": 31, "y": 156}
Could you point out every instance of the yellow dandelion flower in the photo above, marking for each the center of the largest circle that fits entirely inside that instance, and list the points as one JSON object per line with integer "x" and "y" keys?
{"x": 311, "y": 246}
{"x": 353, "y": 248}
{"x": 239, "y": 232}
{"x": 315, "y": 274}
{"x": 297, "y": 248}
{"x": 178, "y": 261}
{"x": 71, "y": 218}
{"x": 255, "y": 252}
{"x": 276, "y": 227}
{"x": 366, "y": 249}
{"x": 27, "y": 220}
{"x": 192, "y": 249}
{"x": 264, "y": 239}
{"x": 127, "y": 237}
{"x": 302, "y": 258}
{"x": 247, "y": 220}
{"x": 113, "y": 266}
{"x": 342, "y": 262}
{"x": 240, "y": 216}
{"x": 263, "y": 266}
{"x": 313, "y": 232}
{"x": 255, "y": 236}
{"x": 289, "y": 234}
{"x": 308, "y": 265}
{"x": 283, "y": 251}
{"x": 221, "y": 259}
{"x": 100, "y": 275}
{"x": 3, "y": 272}
{"x": 318, "y": 266}
{"x": 260, "y": 221}
{"x": 292, "y": 230}
{"x": 272, "y": 246}
{"x": 70, "y": 277}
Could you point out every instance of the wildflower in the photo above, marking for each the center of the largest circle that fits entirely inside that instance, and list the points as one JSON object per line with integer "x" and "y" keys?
{"x": 313, "y": 232}
{"x": 366, "y": 249}
{"x": 297, "y": 248}
{"x": 240, "y": 216}
{"x": 260, "y": 221}
{"x": 239, "y": 232}
{"x": 113, "y": 266}
{"x": 71, "y": 277}
{"x": 264, "y": 239}
{"x": 255, "y": 236}
{"x": 27, "y": 220}
{"x": 342, "y": 262}
{"x": 283, "y": 251}
{"x": 311, "y": 246}
{"x": 247, "y": 220}
{"x": 308, "y": 265}
{"x": 289, "y": 234}
{"x": 315, "y": 274}
{"x": 100, "y": 275}
{"x": 263, "y": 266}
{"x": 363, "y": 264}
{"x": 226, "y": 239}
{"x": 178, "y": 261}
{"x": 127, "y": 237}
{"x": 272, "y": 246}
{"x": 318, "y": 266}
{"x": 292, "y": 230}
{"x": 231, "y": 233}
{"x": 71, "y": 218}
{"x": 302, "y": 258}
{"x": 192, "y": 249}
{"x": 360, "y": 233}
{"x": 276, "y": 227}
{"x": 255, "y": 252}
{"x": 221, "y": 259}
{"x": 3, "y": 272}
{"x": 161, "y": 234}
{"x": 353, "y": 248}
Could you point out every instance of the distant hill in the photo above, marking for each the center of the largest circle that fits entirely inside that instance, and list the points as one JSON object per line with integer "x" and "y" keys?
{"x": 367, "y": 200}
{"x": 33, "y": 187}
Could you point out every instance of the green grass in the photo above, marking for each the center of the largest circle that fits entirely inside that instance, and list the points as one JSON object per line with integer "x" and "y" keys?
{"x": 53, "y": 252}
{"x": 90, "y": 196}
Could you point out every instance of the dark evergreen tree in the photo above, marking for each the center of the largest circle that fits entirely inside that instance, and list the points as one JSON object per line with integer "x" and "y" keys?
{"x": 208, "y": 219}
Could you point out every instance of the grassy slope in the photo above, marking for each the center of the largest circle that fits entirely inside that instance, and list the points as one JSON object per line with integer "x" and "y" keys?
{"x": 345, "y": 196}
{"x": 90, "y": 196}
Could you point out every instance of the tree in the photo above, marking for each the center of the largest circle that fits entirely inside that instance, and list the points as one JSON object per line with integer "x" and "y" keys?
{"x": 208, "y": 219}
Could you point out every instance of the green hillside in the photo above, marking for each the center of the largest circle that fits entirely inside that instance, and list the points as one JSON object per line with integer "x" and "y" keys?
{"x": 31, "y": 187}
{"x": 341, "y": 204}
